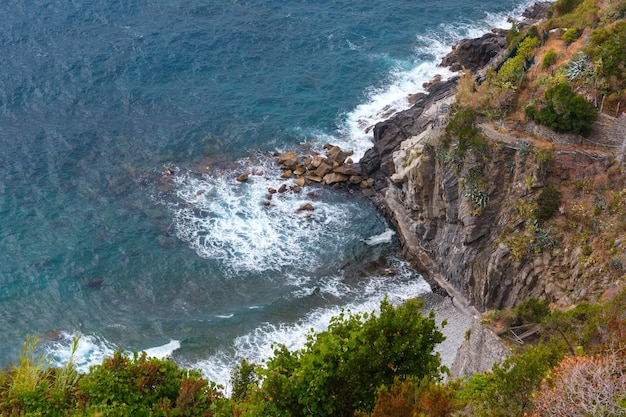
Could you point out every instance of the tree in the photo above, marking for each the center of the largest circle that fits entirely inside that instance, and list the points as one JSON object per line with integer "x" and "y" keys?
{"x": 340, "y": 370}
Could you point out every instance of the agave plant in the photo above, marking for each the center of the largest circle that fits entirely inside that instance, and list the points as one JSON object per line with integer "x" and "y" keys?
{"x": 577, "y": 66}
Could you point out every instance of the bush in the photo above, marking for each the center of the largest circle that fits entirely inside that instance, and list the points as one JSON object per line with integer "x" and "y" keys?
{"x": 570, "y": 36}
{"x": 507, "y": 390}
{"x": 584, "y": 386}
{"x": 414, "y": 397}
{"x": 340, "y": 370}
{"x": 549, "y": 59}
{"x": 548, "y": 203}
{"x": 607, "y": 46}
{"x": 565, "y": 111}
{"x": 562, "y": 7}
{"x": 462, "y": 126}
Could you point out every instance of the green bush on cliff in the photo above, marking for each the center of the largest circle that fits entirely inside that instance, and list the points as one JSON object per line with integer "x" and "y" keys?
{"x": 340, "y": 370}
{"x": 507, "y": 390}
{"x": 606, "y": 47}
{"x": 548, "y": 202}
{"x": 462, "y": 126}
{"x": 562, "y": 7}
{"x": 549, "y": 59}
{"x": 564, "y": 111}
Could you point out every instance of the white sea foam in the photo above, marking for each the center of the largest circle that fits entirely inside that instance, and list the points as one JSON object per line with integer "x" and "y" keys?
{"x": 163, "y": 351}
{"x": 92, "y": 350}
{"x": 223, "y": 219}
{"x": 356, "y": 129}
{"x": 258, "y": 345}
{"x": 384, "y": 237}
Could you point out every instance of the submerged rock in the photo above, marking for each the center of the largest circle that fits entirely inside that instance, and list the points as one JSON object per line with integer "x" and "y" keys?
{"x": 306, "y": 207}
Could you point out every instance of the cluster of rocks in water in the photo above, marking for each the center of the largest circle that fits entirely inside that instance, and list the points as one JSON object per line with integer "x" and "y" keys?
{"x": 336, "y": 168}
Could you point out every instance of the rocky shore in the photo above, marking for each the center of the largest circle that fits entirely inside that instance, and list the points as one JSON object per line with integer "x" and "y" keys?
{"x": 446, "y": 240}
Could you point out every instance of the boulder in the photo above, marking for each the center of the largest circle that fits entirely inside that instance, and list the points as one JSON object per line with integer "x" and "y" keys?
{"x": 368, "y": 183}
{"x": 243, "y": 177}
{"x": 287, "y": 160}
{"x": 323, "y": 169}
{"x": 313, "y": 177}
{"x": 287, "y": 174}
{"x": 355, "y": 179}
{"x": 299, "y": 169}
{"x": 306, "y": 207}
{"x": 474, "y": 54}
{"x": 334, "y": 178}
{"x": 335, "y": 154}
{"x": 315, "y": 162}
{"x": 348, "y": 170}
{"x": 299, "y": 182}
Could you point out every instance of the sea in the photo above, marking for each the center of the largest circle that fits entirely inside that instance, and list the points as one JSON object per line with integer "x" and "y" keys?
{"x": 123, "y": 127}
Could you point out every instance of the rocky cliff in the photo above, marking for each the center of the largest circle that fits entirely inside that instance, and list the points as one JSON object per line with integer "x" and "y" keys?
{"x": 462, "y": 222}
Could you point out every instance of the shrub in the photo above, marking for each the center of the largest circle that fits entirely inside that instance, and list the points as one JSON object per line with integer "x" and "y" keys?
{"x": 562, "y": 7}
{"x": 414, "y": 397}
{"x": 548, "y": 203}
{"x": 340, "y": 370}
{"x": 565, "y": 111}
{"x": 507, "y": 389}
{"x": 607, "y": 46}
{"x": 549, "y": 59}
{"x": 570, "y": 35}
{"x": 122, "y": 385}
{"x": 462, "y": 126}
{"x": 584, "y": 386}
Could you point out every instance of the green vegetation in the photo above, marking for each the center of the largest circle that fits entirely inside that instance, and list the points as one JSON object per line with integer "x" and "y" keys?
{"x": 549, "y": 59}
{"x": 120, "y": 386}
{"x": 363, "y": 366}
{"x": 606, "y": 48}
{"x": 564, "y": 110}
{"x": 547, "y": 203}
{"x": 570, "y": 35}
{"x": 511, "y": 72}
{"x": 340, "y": 370}
{"x": 563, "y": 7}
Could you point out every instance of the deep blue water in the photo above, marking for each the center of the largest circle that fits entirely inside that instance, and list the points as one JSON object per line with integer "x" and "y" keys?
{"x": 98, "y": 97}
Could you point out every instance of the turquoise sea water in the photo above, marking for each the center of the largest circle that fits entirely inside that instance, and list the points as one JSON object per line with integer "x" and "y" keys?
{"x": 98, "y": 98}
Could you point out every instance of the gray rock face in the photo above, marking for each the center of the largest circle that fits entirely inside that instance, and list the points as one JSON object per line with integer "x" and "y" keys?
{"x": 479, "y": 352}
{"x": 456, "y": 245}
{"x": 474, "y": 54}
{"x": 389, "y": 134}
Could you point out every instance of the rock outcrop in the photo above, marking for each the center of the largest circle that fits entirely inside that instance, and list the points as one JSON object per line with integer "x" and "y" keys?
{"x": 480, "y": 350}
{"x": 460, "y": 237}
{"x": 474, "y": 54}
{"x": 459, "y": 244}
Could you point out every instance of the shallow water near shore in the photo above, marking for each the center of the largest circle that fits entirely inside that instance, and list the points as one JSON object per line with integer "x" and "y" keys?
{"x": 123, "y": 126}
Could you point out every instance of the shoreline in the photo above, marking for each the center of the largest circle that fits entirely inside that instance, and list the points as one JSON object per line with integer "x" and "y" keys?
{"x": 452, "y": 305}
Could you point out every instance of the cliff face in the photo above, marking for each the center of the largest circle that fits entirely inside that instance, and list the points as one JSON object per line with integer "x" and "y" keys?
{"x": 462, "y": 241}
